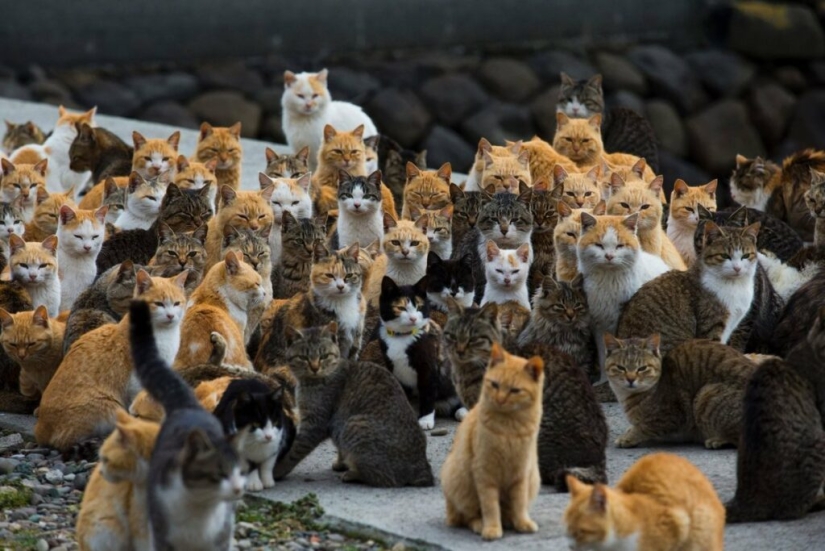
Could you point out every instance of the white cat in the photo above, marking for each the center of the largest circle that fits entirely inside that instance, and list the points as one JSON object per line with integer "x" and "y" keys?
{"x": 289, "y": 195}
{"x": 786, "y": 280}
{"x": 360, "y": 216}
{"x": 308, "y": 107}
{"x": 143, "y": 198}
{"x": 80, "y": 239}
{"x": 11, "y": 223}
{"x": 507, "y": 272}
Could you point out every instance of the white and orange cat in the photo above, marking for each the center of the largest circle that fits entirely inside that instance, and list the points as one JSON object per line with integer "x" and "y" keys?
{"x": 507, "y": 272}
{"x": 20, "y": 183}
{"x": 155, "y": 159}
{"x": 143, "y": 198}
{"x": 80, "y": 237}
{"x": 195, "y": 175}
{"x": 35, "y": 266}
{"x": 288, "y": 195}
{"x": 684, "y": 215}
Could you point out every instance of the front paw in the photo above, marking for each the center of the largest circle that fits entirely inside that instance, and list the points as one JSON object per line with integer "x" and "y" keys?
{"x": 461, "y": 413}
{"x": 253, "y": 482}
{"x": 489, "y": 533}
{"x": 716, "y": 443}
{"x": 628, "y": 440}
{"x": 427, "y": 422}
{"x": 525, "y": 526}
{"x": 267, "y": 481}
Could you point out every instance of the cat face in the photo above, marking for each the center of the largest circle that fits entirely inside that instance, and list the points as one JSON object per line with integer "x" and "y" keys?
{"x": 194, "y": 175}
{"x": 210, "y": 469}
{"x": 589, "y": 523}
{"x": 253, "y": 246}
{"x": 467, "y": 206}
{"x": 155, "y": 159}
{"x": 121, "y": 288}
{"x": 427, "y": 189}
{"x": 11, "y": 220}
{"x": 469, "y": 333}
{"x": 257, "y": 418}
{"x": 562, "y": 304}
{"x": 343, "y": 150}
{"x": 288, "y": 195}
{"x": 748, "y": 181}
{"x": 815, "y": 196}
{"x": 125, "y": 454}
{"x": 626, "y": 200}
{"x": 578, "y": 139}
{"x": 685, "y": 201}
{"x": 506, "y": 220}
{"x": 243, "y": 286}
{"x": 436, "y": 225}
{"x": 18, "y": 135}
{"x": 730, "y": 253}
{"x": 287, "y": 165}
{"x": 47, "y": 210}
{"x": 500, "y": 168}
{"x": 180, "y": 251}
{"x": 608, "y": 242}
{"x": 580, "y": 99}
{"x": 404, "y": 243}
{"x": 507, "y": 269}
{"x": 20, "y": 182}
{"x": 543, "y": 206}
{"x": 185, "y": 211}
{"x": 81, "y": 232}
{"x": 143, "y": 196}
{"x": 114, "y": 197}
{"x": 359, "y": 195}
{"x": 313, "y": 353}
{"x": 84, "y": 153}
{"x": 403, "y": 308}
{"x": 299, "y": 238}
{"x": 632, "y": 365}
{"x": 305, "y": 93}
{"x": 246, "y": 209}
{"x": 166, "y": 297}
{"x": 450, "y": 278}
{"x": 581, "y": 191}
{"x": 337, "y": 275}
{"x": 511, "y": 383}
{"x": 222, "y": 144}
{"x": 26, "y": 334}
{"x": 33, "y": 263}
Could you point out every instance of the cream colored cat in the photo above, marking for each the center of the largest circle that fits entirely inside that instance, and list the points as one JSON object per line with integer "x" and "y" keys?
{"x": 35, "y": 266}
{"x": 684, "y": 215}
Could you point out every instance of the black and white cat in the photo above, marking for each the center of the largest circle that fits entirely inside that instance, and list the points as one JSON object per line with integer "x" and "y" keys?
{"x": 255, "y": 419}
{"x": 449, "y": 278}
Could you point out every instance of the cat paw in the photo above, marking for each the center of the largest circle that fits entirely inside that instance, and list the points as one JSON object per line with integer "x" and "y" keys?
{"x": 267, "y": 481}
{"x": 461, "y": 413}
{"x": 489, "y": 533}
{"x": 254, "y": 485}
{"x": 476, "y": 525}
{"x": 627, "y": 441}
{"x": 525, "y": 526}
{"x": 351, "y": 476}
{"x": 427, "y": 422}
{"x": 716, "y": 443}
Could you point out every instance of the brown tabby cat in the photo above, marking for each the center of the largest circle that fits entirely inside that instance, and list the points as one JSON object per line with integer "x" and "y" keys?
{"x": 300, "y": 240}
{"x": 179, "y": 252}
{"x": 491, "y": 475}
{"x": 287, "y": 165}
{"x": 18, "y": 135}
{"x": 426, "y": 189}
{"x": 223, "y": 144}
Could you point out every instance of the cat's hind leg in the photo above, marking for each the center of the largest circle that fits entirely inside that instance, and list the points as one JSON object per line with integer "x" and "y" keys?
{"x": 717, "y": 409}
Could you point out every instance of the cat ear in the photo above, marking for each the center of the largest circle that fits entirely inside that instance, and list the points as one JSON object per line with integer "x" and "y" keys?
{"x": 144, "y": 282}
{"x": 566, "y": 80}
{"x": 305, "y": 181}
{"x": 490, "y": 190}
{"x": 421, "y": 158}
{"x": 575, "y": 486}
{"x": 354, "y": 251}
{"x": 447, "y": 212}
{"x": 524, "y": 190}
{"x": 289, "y": 78}
{"x": 109, "y": 187}
{"x": 595, "y": 81}
{"x": 374, "y": 249}
{"x": 359, "y": 131}
{"x": 389, "y": 222}
{"x": 492, "y": 250}
{"x": 321, "y": 76}
{"x": 704, "y": 213}
{"x": 630, "y": 222}
{"x": 420, "y": 220}
{"x": 50, "y": 244}
{"x": 739, "y": 217}
{"x": 445, "y": 172}
{"x": 420, "y": 286}
{"x": 180, "y": 279}
{"x": 90, "y": 114}
{"x": 578, "y": 282}
{"x": 166, "y": 233}
{"x": 287, "y": 220}
{"x": 233, "y": 263}
{"x": 138, "y": 140}
{"x": 291, "y": 334}
{"x": 319, "y": 251}
{"x": 535, "y": 368}
{"x": 200, "y": 234}
{"x": 680, "y": 188}
{"x": 433, "y": 259}
{"x": 235, "y": 130}
{"x": 372, "y": 142}
{"x": 548, "y": 282}
{"x": 740, "y": 160}
{"x": 657, "y": 184}
{"x": 174, "y": 139}
{"x": 454, "y": 308}
{"x": 559, "y": 175}
{"x": 616, "y": 183}
{"x": 197, "y": 443}
{"x": 329, "y": 132}
{"x": 488, "y": 159}
{"x": 710, "y": 188}
{"x": 61, "y": 111}
{"x": 388, "y": 287}
{"x": 375, "y": 179}
{"x": 598, "y": 499}
{"x": 712, "y": 232}
{"x": 206, "y": 131}
{"x": 303, "y": 154}
{"x": 264, "y": 181}
{"x": 595, "y": 121}
{"x": 344, "y": 177}
{"x": 16, "y": 243}
{"x": 41, "y": 317}
{"x": 652, "y": 344}
{"x": 489, "y": 312}
{"x": 594, "y": 173}
{"x": 587, "y": 222}
{"x": 752, "y": 231}
{"x": 8, "y": 167}
{"x": 563, "y": 209}
{"x": 639, "y": 168}
{"x": 101, "y": 213}
{"x": 611, "y": 343}
{"x": 183, "y": 162}
{"x": 600, "y": 209}
{"x": 10, "y": 126}
{"x": 42, "y": 167}
{"x": 496, "y": 354}
{"x": 562, "y": 120}
{"x": 227, "y": 195}
{"x": 523, "y": 252}
{"x": 332, "y": 330}
{"x": 456, "y": 193}
{"x": 524, "y": 158}
{"x": 6, "y": 319}
{"x": 172, "y": 191}
{"x": 270, "y": 155}
{"x": 135, "y": 181}
{"x": 42, "y": 195}
{"x": 412, "y": 170}
{"x": 483, "y": 145}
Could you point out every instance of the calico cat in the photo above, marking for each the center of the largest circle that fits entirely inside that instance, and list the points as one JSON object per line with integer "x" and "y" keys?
{"x": 182, "y": 211}
{"x": 693, "y": 393}
{"x": 194, "y": 473}
{"x": 781, "y": 462}
{"x": 154, "y": 159}
{"x": 143, "y": 200}
{"x": 774, "y": 235}
{"x": 499, "y": 168}
{"x": 426, "y": 189}
{"x": 254, "y": 418}
{"x": 392, "y": 162}
{"x": 561, "y": 319}
{"x": 348, "y": 402}
{"x": 579, "y": 139}
{"x": 436, "y": 226}
{"x": 289, "y": 195}
{"x": 223, "y": 144}
{"x": 300, "y": 239}
{"x": 20, "y": 182}
{"x": 406, "y": 248}
{"x": 779, "y": 191}
{"x": 46, "y": 214}
{"x": 287, "y": 165}
{"x": 80, "y": 238}
{"x": 360, "y": 214}
{"x": 239, "y": 209}
{"x": 35, "y": 266}
{"x": 684, "y": 215}
{"x": 179, "y": 252}
{"x": 18, "y": 135}
{"x": 663, "y": 502}
{"x": 467, "y": 207}
{"x": 449, "y": 278}
{"x": 581, "y": 191}
{"x": 11, "y": 223}
{"x": 491, "y": 475}
{"x": 95, "y": 378}
{"x": 506, "y": 272}
{"x": 100, "y": 152}
{"x": 307, "y": 107}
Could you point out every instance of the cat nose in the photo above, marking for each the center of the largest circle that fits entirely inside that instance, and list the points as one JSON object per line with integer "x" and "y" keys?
{"x": 170, "y": 317}
{"x": 254, "y": 226}
{"x": 507, "y": 281}
{"x": 32, "y": 276}
{"x": 356, "y": 205}
{"x": 580, "y": 202}
{"x": 737, "y": 269}
{"x": 413, "y": 319}
{"x": 87, "y": 248}
{"x": 609, "y": 256}
{"x": 268, "y": 437}
{"x": 405, "y": 252}
{"x": 340, "y": 286}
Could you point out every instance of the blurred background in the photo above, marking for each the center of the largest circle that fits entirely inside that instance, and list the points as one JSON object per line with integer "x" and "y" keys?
{"x": 715, "y": 78}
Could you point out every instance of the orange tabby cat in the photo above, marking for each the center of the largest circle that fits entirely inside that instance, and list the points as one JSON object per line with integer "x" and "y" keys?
{"x": 20, "y": 182}
{"x": 491, "y": 475}
{"x": 228, "y": 295}
{"x": 499, "y": 167}
{"x": 662, "y": 503}
{"x": 239, "y": 209}
{"x": 36, "y": 343}
{"x": 95, "y": 378}
{"x": 46, "y": 214}
{"x": 155, "y": 158}
{"x": 94, "y": 197}
{"x": 543, "y": 159}
{"x": 581, "y": 191}
{"x": 580, "y": 140}
{"x": 426, "y": 189}
{"x": 684, "y": 215}
{"x": 113, "y": 514}
{"x": 223, "y": 145}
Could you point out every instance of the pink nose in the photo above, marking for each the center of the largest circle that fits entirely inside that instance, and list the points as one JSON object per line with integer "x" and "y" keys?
{"x": 268, "y": 437}
{"x": 737, "y": 269}
{"x": 609, "y": 257}
{"x": 32, "y": 277}
{"x": 413, "y": 319}
{"x": 340, "y": 286}
{"x": 87, "y": 248}
{"x": 357, "y": 205}
{"x": 170, "y": 317}
{"x": 507, "y": 281}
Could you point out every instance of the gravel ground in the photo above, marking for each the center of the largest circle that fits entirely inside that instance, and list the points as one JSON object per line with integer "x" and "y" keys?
{"x": 40, "y": 497}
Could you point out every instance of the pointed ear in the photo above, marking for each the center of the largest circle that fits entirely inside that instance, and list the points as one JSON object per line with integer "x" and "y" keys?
{"x": 412, "y": 170}
{"x": 206, "y": 131}
{"x": 138, "y": 140}
{"x": 90, "y": 114}
{"x": 41, "y": 167}
{"x": 578, "y": 282}
{"x": 489, "y": 312}
{"x": 562, "y": 120}
{"x": 166, "y": 233}
{"x": 524, "y": 158}
{"x": 491, "y": 189}
{"x": 50, "y": 244}
{"x": 7, "y": 165}
{"x": 549, "y": 282}
{"x": 616, "y": 183}
{"x": 587, "y": 222}
{"x": 233, "y": 263}
{"x": 492, "y": 250}
{"x": 359, "y": 131}
{"x": 264, "y": 181}
{"x": 483, "y": 145}
{"x": 6, "y": 319}
{"x": 42, "y": 194}
{"x": 344, "y": 177}
{"x": 739, "y": 217}
{"x": 235, "y": 130}
{"x": 16, "y": 243}
{"x": 61, "y": 111}
{"x": 595, "y": 81}
{"x": 656, "y": 185}
{"x": 329, "y": 132}
{"x": 704, "y": 213}
{"x": 388, "y": 286}
{"x": 305, "y": 181}
{"x": 180, "y": 279}
{"x": 67, "y": 214}
{"x": 174, "y": 139}
{"x": 270, "y": 155}
{"x": 135, "y": 181}
{"x": 456, "y": 193}
{"x": 559, "y": 175}
{"x": 144, "y": 282}
{"x": 563, "y": 209}
{"x": 41, "y": 317}
{"x": 183, "y": 162}
{"x": 740, "y": 160}
{"x": 496, "y": 354}
{"x": 594, "y": 173}
{"x": 600, "y": 209}
{"x": 680, "y": 188}
{"x": 420, "y": 286}
{"x": 566, "y": 80}
{"x": 598, "y": 499}
{"x": 710, "y": 188}
{"x": 454, "y": 308}
{"x": 523, "y": 189}
{"x": 101, "y": 213}
{"x": 541, "y": 185}
{"x": 420, "y": 220}
{"x": 712, "y": 232}
{"x": 445, "y": 172}
{"x": 534, "y": 367}
{"x": 639, "y": 168}
{"x": 289, "y": 78}
{"x": 227, "y": 195}
{"x": 303, "y": 154}
{"x": 389, "y": 222}
{"x": 752, "y": 231}
{"x": 652, "y": 344}
{"x": 447, "y": 212}
{"x": 630, "y": 222}
{"x": 109, "y": 187}
{"x": 354, "y": 251}
{"x": 200, "y": 234}
{"x": 375, "y": 179}
{"x": 319, "y": 251}
{"x": 595, "y": 121}
{"x": 197, "y": 442}
{"x": 611, "y": 343}
{"x": 292, "y": 335}
{"x": 523, "y": 252}
{"x": 575, "y": 486}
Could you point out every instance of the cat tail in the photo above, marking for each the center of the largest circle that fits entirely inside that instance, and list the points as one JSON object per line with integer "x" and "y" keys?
{"x": 734, "y": 513}
{"x": 156, "y": 376}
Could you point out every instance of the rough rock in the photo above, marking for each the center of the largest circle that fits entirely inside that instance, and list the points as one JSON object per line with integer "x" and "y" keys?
{"x": 269, "y": 98}
{"x": 771, "y": 107}
{"x": 170, "y": 112}
{"x": 444, "y": 145}
{"x": 808, "y": 125}
{"x": 724, "y": 73}
{"x": 400, "y": 114}
{"x": 499, "y": 122}
{"x": 176, "y": 86}
{"x": 672, "y": 167}
{"x": 508, "y": 79}
{"x": 110, "y": 97}
{"x": 771, "y": 31}
{"x": 719, "y": 133}
{"x": 624, "y": 98}
{"x": 620, "y": 74}
{"x": 668, "y": 126}
{"x": 7, "y": 465}
{"x": 234, "y": 75}
{"x": 441, "y": 62}
{"x": 224, "y": 108}
{"x": 10, "y": 88}
{"x": 791, "y": 78}
{"x": 670, "y": 76}
{"x": 45, "y": 89}
{"x": 348, "y": 85}
{"x": 543, "y": 108}
{"x": 11, "y": 442}
{"x": 452, "y": 98}
{"x": 548, "y": 66}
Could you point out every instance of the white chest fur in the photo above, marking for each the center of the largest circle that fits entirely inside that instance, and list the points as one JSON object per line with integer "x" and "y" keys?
{"x": 735, "y": 294}
{"x": 397, "y": 353}
{"x": 363, "y": 230}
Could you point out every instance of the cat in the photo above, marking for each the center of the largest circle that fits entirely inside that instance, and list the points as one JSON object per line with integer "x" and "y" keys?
{"x": 543, "y": 204}
{"x": 693, "y": 394}
{"x": 18, "y": 135}
{"x": 100, "y": 152}
{"x": 35, "y": 342}
{"x": 779, "y": 191}
{"x": 46, "y": 214}
{"x": 707, "y": 302}
{"x": 182, "y": 211}
{"x": 194, "y": 473}
{"x": 473, "y": 182}
{"x": 436, "y": 225}
{"x": 223, "y": 144}
{"x": 59, "y": 177}
{"x": 815, "y": 201}
{"x": 371, "y": 153}
{"x": 13, "y": 299}
{"x": 497, "y": 169}
{"x": 112, "y": 192}
{"x": 373, "y": 448}
{"x": 406, "y": 248}
{"x": 411, "y": 346}
{"x": 561, "y": 318}
{"x": 179, "y": 252}
{"x": 95, "y": 378}
{"x": 254, "y": 248}
{"x": 11, "y": 223}
{"x": 449, "y": 278}
{"x": 155, "y": 159}
{"x": 287, "y": 165}
{"x": 239, "y": 209}
{"x": 467, "y": 206}
{"x": 580, "y": 99}
{"x": 781, "y": 462}
{"x": 491, "y": 475}
{"x": 20, "y": 183}
{"x": 35, "y": 266}
{"x": 334, "y": 295}
{"x": 360, "y": 214}
{"x": 506, "y": 272}
{"x": 79, "y": 240}
{"x": 684, "y": 215}
{"x": 392, "y": 162}
{"x": 307, "y": 107}
{"x": 566, "y": 238}
{"x": 426, "y": 189}
{"x": 230, "y": 292}
{"x": 663, "y": 502}
{"x": 143, "y": 199}
{"x": 195, "y": 175}
{"x": 581, "y": 191}
{"x": 544, "y": 159}
{"x": 579, "y": 140}
{"x": 300, "y": 239}
{"x": 798, "y": 315}
{"x": 614, "y": 268}
{"x": 113, "y": 510}
{"x": 254, "y": 418}
{"x": 290, "y": 195}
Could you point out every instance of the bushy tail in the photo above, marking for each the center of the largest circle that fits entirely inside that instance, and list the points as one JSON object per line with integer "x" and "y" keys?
{"x": 797, "y": 167}
{"x": 156, "y": 376}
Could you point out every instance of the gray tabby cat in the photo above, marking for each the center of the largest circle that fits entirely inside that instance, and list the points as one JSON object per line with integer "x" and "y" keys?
{"x": 178, "y": 252}
{"x": 286, "y": 165}
{"x": 348, "y": 402}
{"x": 299, "y": 240}
{"x": 467, "y": 207}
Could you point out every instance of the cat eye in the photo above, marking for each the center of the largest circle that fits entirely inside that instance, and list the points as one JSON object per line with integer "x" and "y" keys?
{"x": 494, "y": 384}
{"x": 314, "y": 96}
{"x": 415, "y": 243}
{"x": 17, "y": 186}
{"x": 261, "y": 216}
{"x": 621, "y": 368}
{"x": 171, "y": 253}
{"x": 644, "y": 207}
{"x": 396, "y": 243}
{"x": 499, "y": 271}
{"x": 42, "y": 266}
{"x": 515, "y": 390}
{"x": 79, "y": 236}
{"x": 276, "y": 203}
{"x": 166, "y": 159}
{"x": 625, "y": 206}
{"x": 331, "y": 276}
{"x": 725, "y": 256}
{"x": 26, "y": 266}
{"x": 599, "y": 245}
{"x": 690, "y": 209}
{"x": 620, "y": 246}
{"x": 569, "y": 140}
{"x": 572, "y": 234}
{"x": 295, "y": 203}
{"x": 148, "y": 159}
{"x": 159, "y": 304}
{"x": 569, "y": 193}
{"x": 747, "y": 256}
{"x": 588, "y": 193}
{"x": 151, "y": 198}
{"x": 177, "y": 303}
{"x": 585, "y": 140}
{"x": 337, "y": 151}
{"x": 243, "y": 217}
{"x": 642, "y": 369}
{"x": 300, "y": 96}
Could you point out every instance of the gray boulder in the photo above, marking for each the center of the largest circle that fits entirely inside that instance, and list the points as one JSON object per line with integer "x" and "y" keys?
{"x": 620, "y": 74}
{"x": 719, "y": 133}
{"x": 670, "y": 77}
{"x": 225, "y": 108}
{"x": 452, "y": 98}
{"x": 549, "y": 64}
{"x": 171, "y": 113}
{"x": 111, "y": 98}
{"x": 724, "y": 73}
{"x": 790, "y": 31}
{"x": 508, "y": 79}
{"x": 444, "y": 145}
{"x": 178, "y": 86}
{"x": 499, "y": 122}
{"x": 668, "y": 126}
{"x": 400, "y": 115}
{"x": 808, "y": 124}
{"x": 771, "y": 107}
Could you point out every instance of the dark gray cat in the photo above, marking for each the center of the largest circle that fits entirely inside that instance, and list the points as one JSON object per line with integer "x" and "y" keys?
{"x": 467, "y": 206}
{"x": 299, "y": 239}
{"x": 361, "y": 406}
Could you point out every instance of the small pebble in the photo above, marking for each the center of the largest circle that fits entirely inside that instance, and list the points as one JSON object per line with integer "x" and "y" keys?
{"x": 439, "y": 432}
{"x": 42, "y": 545}
{"x": 54, "y": 476}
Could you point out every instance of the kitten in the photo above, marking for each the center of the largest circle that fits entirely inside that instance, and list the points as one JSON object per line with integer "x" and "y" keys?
{"x": 449, "y": 278}
{"x": 20, "y": 183}
{"x": 254, "y": 418}
{"x": 684, "y": 215}
{"x": 100, "y": 152}
{"x": 35, "y": 266}
{"x": 239, "y": 209}
{"x": 178, "y": 253}
{"x": 694, "y": 394}
{"x": 194, "y": 473}
{"x": 143, "y": 199}
{"x": 436, "y": 226}
{"x": 46, "y": 214}
{"x": 614, "y": 268}
{"x": 561, "y": 319}
{"x": 579, "y": 139}
{"x": 307, "y": 108}
{"x": 80, "y": 238}
{"x": 392, "y": 162}
{"x": 581, "y": 191}
{"x": 155, "y": 159}
{"x": 781, "y": 462}
{"x": 287, "y": 165}
{"x": 288, "y": 195}
{"x": 662, "y": 502}
{"x": 467, "y": 206}
{"x": 506, "y": 273}
{"x": 411, "y": 346}
{"x": 95, "y": 378}
{"x": 18, "y": 135}
{"x": 491, "y": 475}
{"x": 195, "y": 175}
{"x": 426, "y": 189}
{"x": 11, "y": 223}
{"x": 223, "y": 144}
{"x": 35, "y": 342}
{"x": 406, "y": 248}
{"x": 360, "y": 214}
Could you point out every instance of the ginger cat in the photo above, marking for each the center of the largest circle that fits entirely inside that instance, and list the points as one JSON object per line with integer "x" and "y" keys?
{"x": 580, "y": 140}
{"x": 684, "y": 215}
{"x": 195, "y": 175}
{"x": 96, "y": 196}
{"x": 426, "y": 189}
{"x": 662, "y": 503}
{"x": 20, "y": 183}
{"x": 499, "y": 168}
{"x": 473, "y": 182}
{"x": 544, "y": 159}
{"x": 229, "y": 295}
{"x": 155, "y": 159}
{"x": 46, "y": 214}
{"x": 223, "y": 145}
{"x": 96, "y": 379}
{"x": 581, "y": 191}
{"x": 113, "y": 513}
{"x": 491, "y": 476}
{"x": 35, "y": 342}
{"x": 34, "y": 265}
{"x": 239, "y": 209}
